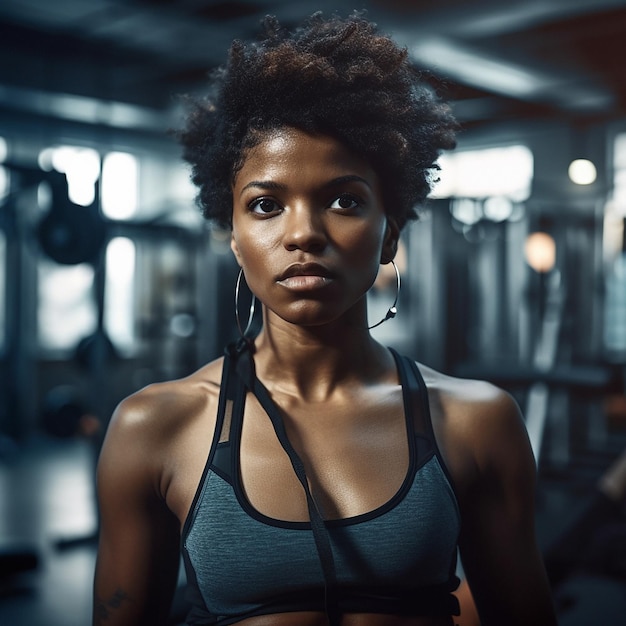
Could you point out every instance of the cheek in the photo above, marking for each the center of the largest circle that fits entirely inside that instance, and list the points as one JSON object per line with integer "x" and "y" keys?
{"x": 252, "y": 250}
{"x": 364, "y": 245}
{"x": 246, "y": 256}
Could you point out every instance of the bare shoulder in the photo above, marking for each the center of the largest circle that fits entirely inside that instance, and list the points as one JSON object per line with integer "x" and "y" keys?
{"x": 163, "y": 406}
{"x": 149, "y": 427}
{"x": 472, "y": 399}
{"x": 479, "y": 426}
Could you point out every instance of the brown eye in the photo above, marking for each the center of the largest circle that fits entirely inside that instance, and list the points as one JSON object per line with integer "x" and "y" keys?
{"x": 345, "y": 201}
{"x": 264, "y": 206}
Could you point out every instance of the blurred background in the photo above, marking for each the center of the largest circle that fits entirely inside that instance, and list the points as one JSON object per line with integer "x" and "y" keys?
{"x": 109, "y": 279}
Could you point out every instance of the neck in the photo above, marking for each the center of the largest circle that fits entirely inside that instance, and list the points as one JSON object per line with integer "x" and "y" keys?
{"x": 313, "y": 362}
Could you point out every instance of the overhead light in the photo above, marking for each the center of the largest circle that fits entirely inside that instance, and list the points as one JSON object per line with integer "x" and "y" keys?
{"x": 582, "y": 172}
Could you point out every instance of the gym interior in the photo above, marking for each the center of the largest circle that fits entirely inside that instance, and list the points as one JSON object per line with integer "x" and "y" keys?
{"x": 110, "y": 280}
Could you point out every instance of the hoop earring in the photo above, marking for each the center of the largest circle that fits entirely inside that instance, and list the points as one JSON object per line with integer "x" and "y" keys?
{"x": 250, "y": 312}
{"x": 393, "y": 311}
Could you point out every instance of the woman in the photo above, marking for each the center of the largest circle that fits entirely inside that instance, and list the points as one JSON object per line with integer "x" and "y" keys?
{"x": 340, "y": 477}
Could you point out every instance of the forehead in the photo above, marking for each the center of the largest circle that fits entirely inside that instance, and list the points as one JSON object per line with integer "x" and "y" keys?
{"x": 290, "y": 152}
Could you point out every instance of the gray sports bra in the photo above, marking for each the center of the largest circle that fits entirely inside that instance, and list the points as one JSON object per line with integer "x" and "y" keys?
{"x": 397, "y": 559}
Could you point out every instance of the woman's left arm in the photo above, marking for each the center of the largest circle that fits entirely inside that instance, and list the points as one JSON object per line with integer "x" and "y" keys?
{"x": 498, "y": 545}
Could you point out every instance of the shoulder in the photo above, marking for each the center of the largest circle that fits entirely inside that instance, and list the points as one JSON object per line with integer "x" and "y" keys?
{"x": 479, "y": 427}
{"x": 148, "y": 424}
{"x": 167, "y": 404}
{"x": 465, "y": 404}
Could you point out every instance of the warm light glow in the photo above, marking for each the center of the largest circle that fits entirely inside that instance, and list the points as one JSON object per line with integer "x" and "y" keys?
{"x": 582, "y": 172}
{"x": 540, "y": 251}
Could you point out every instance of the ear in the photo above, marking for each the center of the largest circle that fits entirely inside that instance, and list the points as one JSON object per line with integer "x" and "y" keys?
{"x": 390, "y": 242}
{"x": 234, "y": 248}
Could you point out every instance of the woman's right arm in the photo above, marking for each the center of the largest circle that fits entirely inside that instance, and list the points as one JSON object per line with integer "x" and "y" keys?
{"x": 138, "y": 549}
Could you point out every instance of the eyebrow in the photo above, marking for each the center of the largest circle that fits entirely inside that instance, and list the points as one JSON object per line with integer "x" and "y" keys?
{"x": 349, "y": 178}
{"x": 272, "y": 185}
{"x": 263, "y": 184}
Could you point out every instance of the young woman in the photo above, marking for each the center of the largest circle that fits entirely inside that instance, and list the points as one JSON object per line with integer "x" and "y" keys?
{"x": 313, "y": 476}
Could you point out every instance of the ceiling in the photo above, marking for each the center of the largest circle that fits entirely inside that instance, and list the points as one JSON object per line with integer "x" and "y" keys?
{"x": 123, "y": 62}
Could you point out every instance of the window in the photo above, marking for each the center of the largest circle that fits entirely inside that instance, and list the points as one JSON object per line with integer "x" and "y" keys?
{"x": 3, "y": 298}
{"x": 81, "y": 166}
{"x": 492, "y": 172}
{"x": 66, "y": 304}
{"x": 615, "y": 255}
{"x": 120, "y": 184}
{"x": 4, "y": 173}
{"x": 119, "y": 309}
{"x": 4, "y": 190}
{"x": 487, "y": 185}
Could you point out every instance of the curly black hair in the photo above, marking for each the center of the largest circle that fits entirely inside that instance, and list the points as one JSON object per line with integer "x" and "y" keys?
{"x": 334, "y": 76}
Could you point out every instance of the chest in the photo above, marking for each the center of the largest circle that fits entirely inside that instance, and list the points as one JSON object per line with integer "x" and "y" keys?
{"x": 356, "y": 457}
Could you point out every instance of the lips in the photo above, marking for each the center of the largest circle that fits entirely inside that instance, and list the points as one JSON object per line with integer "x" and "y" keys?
{"x": 306, "y": 269}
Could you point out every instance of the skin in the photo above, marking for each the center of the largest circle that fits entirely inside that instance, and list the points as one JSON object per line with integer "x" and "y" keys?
{"x": 310, "y": 231}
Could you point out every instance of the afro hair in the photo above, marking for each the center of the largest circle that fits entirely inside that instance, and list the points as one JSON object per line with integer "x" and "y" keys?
{"x": 334, "y": 76}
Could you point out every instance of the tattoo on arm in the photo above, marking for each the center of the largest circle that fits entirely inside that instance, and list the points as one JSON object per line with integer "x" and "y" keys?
{"x": 103, "y": 609}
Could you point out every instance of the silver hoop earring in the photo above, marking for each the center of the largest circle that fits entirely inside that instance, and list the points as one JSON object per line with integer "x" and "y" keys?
{"x": 243, "y": 332}
{"x": 393, "y": 311}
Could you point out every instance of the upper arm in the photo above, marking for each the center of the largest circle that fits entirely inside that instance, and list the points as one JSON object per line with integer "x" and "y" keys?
{"x": 498, "y": 545}
{"x": 137, "y": 562}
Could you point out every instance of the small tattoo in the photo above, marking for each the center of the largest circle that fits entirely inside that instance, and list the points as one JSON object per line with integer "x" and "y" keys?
{"x": 103, "y": 608}
{"x": 118, "y": 597}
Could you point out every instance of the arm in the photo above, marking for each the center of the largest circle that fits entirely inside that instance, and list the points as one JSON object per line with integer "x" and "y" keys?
{"x": 468, "y": 616}
{"x": 137, "y": 562}
{"x": 498, "y": 545}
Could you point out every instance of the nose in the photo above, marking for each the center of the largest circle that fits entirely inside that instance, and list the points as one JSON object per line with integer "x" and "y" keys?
{"x": 304, "y": 230}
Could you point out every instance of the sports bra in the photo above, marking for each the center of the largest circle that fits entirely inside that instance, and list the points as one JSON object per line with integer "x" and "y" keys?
{"x": 398, "y": 559}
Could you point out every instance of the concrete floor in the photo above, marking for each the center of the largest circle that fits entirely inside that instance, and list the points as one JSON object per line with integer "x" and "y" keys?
{"x": 46, "y": 498}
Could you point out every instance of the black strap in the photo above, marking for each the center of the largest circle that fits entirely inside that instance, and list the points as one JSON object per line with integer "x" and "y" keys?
{"x": 245, "y": 369}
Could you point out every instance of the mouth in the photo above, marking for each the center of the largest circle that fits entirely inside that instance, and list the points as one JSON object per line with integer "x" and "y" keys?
{"x": 306, "y": 276}
{"x": 306, "y": 269}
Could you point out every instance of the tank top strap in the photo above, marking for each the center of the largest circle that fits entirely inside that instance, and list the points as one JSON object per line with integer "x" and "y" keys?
{"x": 411, "y": 379}
{"x": 232, "y": 391}
{"x": 229, "y": 409}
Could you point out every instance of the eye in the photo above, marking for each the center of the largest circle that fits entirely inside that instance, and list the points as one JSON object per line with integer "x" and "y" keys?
{"x": 346, "y": 201}
{"x": 264, "y": 206}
